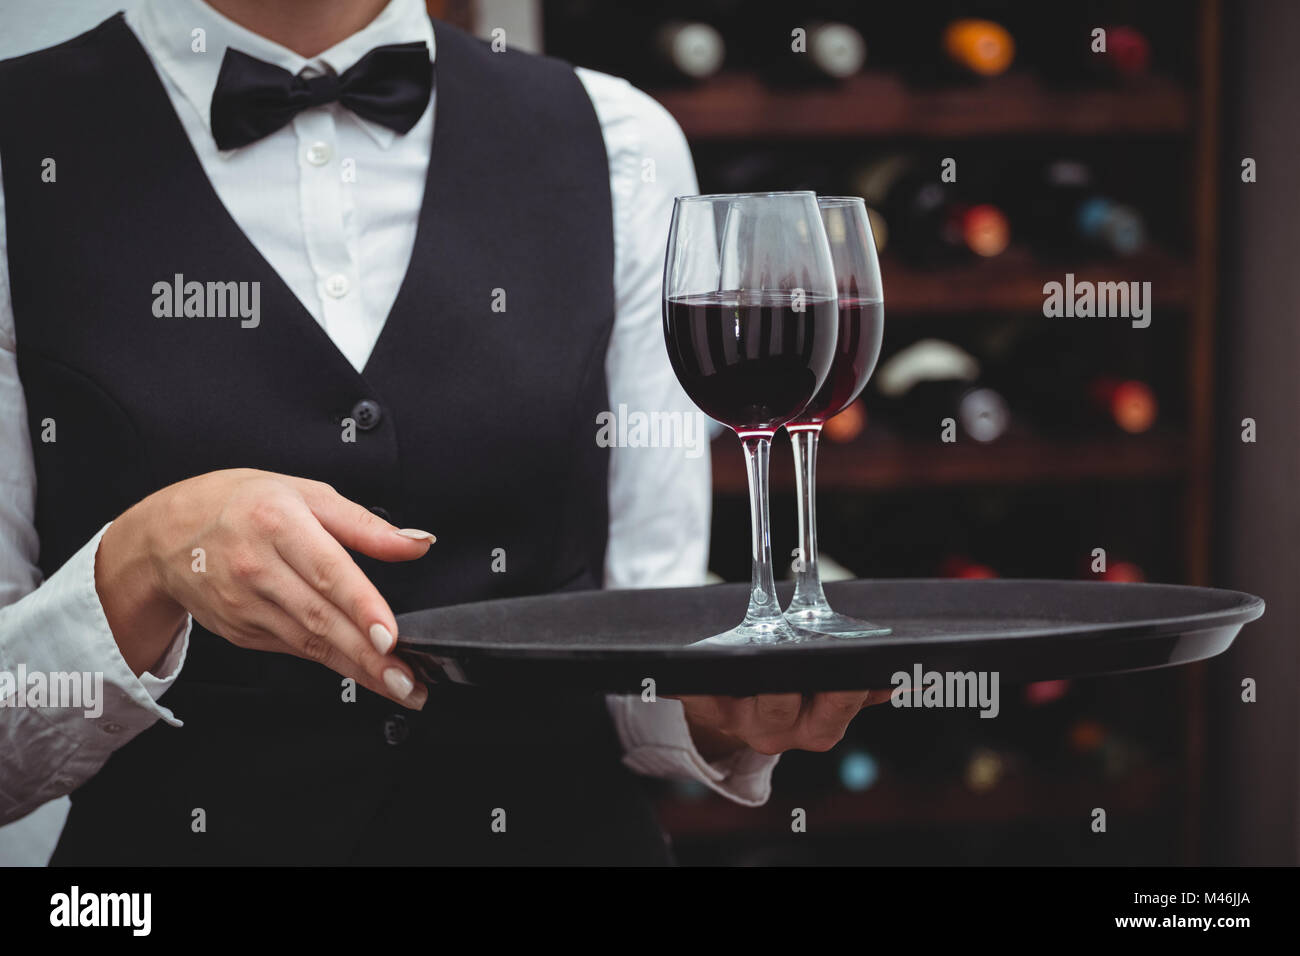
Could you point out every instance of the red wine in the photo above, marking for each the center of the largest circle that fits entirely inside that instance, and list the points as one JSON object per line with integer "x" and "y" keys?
{"x": 751, "y": 360}
{"x": 862, "y": 323}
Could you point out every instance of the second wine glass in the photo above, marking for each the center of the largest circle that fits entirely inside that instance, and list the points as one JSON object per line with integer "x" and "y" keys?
{"x": 862, "y": 323}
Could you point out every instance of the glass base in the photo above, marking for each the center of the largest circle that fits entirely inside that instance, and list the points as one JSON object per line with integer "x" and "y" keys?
{"x": 824, "y": 622}
{"x": 750, "y": 632}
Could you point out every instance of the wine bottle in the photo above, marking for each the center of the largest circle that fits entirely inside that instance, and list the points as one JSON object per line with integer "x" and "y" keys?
{"x": 1126, "y": 53}
{"x": 1064, "y": 388}
{"x": 1043, "y": 692}
{"x": 689, "y": 50}
{"x": 879, "y": 228}
{"x": 962, "y": 567}
{"x": 817, "y": 52}
{"x": 1121, "y": 572}
{"x": 671, "y": 45}
{"x": 836, "y": 51}
{"x": 1086, "y": 736}
{"x": 985, "y": 769}
{"x": 1092, "y": 404}
{"x": 1103, "y": 223}
{"x": 759, "y": 169}
{"x": 1101, "y": 750}
{"x": 1067, "y": 215}
{"x": 858, "y": 770}
{"x": 1091, "y": 47}
{"x": 819, "y": 42}
{"x": 964, "y": 43}
{"x": 1128, "y": 404}
{"x": 978, "y": 47}
{"x": 931, "y": 382}
{"x": 848, "y": 425}
{"x": 930, "y": 221}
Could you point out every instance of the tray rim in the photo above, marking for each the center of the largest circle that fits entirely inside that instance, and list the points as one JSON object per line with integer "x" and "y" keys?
{"x": 1244, "y": 609}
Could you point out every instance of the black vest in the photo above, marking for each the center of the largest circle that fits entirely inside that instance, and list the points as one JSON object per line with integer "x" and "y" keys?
{"x": 477, "y": 425}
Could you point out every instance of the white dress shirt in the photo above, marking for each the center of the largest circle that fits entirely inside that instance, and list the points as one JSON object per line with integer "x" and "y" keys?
{"x": 331, "y": 201}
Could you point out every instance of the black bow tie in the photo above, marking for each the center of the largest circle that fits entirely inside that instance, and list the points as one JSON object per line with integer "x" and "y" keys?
{"x": 390, "y": 86}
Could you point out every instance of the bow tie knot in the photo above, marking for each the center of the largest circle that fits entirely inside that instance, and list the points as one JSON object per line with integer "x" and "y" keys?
{"x": 321, "y": 89}
{"x": 390, "y": 86}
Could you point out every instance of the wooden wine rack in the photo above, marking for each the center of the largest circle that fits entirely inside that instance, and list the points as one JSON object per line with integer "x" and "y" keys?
{"x": 877, "y": 108}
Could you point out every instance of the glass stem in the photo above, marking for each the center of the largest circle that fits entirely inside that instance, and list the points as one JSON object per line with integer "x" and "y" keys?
{"x": 764, "y": 608}
{"x": 807, "y": 579}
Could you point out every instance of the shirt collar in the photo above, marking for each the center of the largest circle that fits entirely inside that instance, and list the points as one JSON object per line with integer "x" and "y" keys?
{"x": 169, "y": 30}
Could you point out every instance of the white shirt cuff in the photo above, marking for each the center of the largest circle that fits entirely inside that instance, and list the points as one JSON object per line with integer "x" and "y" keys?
{"x": 101, "y": 646}
{"x": 657, "y": 743}
{"x": 61, "y": 628}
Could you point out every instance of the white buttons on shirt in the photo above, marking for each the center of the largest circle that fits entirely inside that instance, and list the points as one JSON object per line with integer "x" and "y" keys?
{"x": 112, "y": 728}
{"x": 318, "y": 154}
{"x": 337, "y": 285}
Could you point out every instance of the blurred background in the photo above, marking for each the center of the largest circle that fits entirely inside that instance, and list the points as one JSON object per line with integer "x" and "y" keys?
{"x": 1127, "y": 164}
{"x": 1169, "y": 158}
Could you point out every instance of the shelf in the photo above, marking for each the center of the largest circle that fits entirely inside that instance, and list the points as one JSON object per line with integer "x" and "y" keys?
{"x": 876, "y": 113}
{"x": 740, "y": 106}
{"x": 893, "y": 802}
{"x": 887, "y": 463}
{"x": 1013, "y": 282}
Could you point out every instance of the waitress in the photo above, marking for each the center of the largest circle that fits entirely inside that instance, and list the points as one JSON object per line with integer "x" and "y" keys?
{"x": 412, "y": 271}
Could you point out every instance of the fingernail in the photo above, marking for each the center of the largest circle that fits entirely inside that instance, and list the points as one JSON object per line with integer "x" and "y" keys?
{"x": 398, "y": 684}
{"x": 382, "y": 638}
{"x": 416, "y": 534}
{"x": 418, "y": 698}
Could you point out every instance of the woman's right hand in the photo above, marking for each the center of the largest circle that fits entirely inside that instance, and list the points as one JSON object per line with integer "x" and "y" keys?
{"x": 274, "y": 574}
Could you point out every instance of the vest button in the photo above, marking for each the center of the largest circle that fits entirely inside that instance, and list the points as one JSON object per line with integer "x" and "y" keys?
{"x": 396, "y": 729}
{"x": 366, "y": 414}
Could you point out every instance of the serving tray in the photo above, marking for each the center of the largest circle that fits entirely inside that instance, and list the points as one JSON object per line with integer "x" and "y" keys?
{"x": 1026, "y": 630}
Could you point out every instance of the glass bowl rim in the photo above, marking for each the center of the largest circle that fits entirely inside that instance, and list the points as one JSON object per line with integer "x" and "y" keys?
{"x": 757, "y": 195}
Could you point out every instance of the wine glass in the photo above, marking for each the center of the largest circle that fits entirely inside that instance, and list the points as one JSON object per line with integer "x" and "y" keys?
{"x": 750, "y": 321}
{"x": 862, "y": 321}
